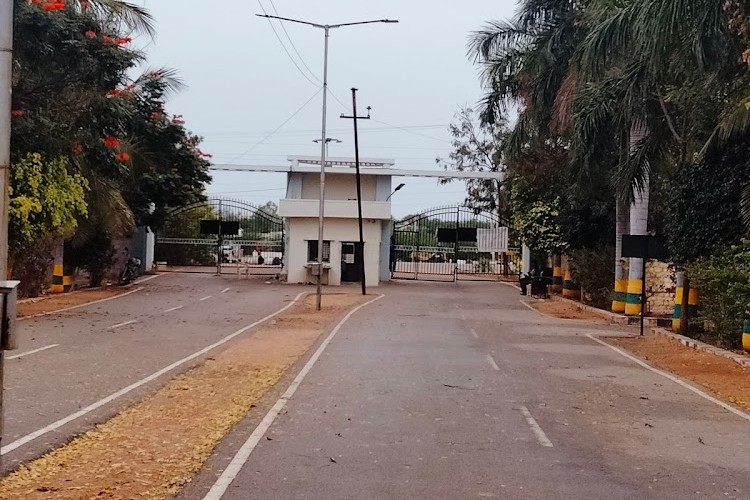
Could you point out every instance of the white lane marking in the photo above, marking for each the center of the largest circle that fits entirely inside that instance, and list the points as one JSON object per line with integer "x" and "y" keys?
{"x": 226, "y": 289}
{"x": 492, "y": 363}
{"x": 83, "y": 411}
{"x": 674, "y": 379}
{"x": 81, "y": 305}
{"x": 205, "y": 298}
{"x": 238, "y": 461}
{"x": 118, "y": 325}
{"x": 540, "y": 435}
{"x": 148, "y": 278}
{"x": 173, "y": 309}
{"x": 32, "y": 351}
{"x": 474, "y": 333}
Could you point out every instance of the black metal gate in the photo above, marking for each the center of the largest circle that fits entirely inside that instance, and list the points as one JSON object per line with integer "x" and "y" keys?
{"x": 258, "y": 248}
{"x": 454, "y": 243}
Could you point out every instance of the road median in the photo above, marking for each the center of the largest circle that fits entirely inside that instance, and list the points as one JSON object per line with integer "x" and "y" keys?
{"x": 153, "y": 448}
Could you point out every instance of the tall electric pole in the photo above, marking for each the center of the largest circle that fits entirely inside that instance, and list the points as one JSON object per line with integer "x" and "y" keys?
{"x": 354, "y": 119}
{"x": 326, "y": 28}
{"x": 6, "y": 68}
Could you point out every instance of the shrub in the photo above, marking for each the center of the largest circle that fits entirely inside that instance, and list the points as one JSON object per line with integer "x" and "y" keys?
{"x": 723, "y": 281}
{"x": 593, "y": 270}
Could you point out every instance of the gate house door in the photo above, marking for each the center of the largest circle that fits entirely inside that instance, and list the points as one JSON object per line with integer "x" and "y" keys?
{"x": 454, "y": 243}
{"x": 350, "y": 262}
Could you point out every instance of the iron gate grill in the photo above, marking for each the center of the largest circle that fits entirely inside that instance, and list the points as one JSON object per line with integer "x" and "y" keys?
{"x": 257, "y": 249}
{"x": 441, "y": 244}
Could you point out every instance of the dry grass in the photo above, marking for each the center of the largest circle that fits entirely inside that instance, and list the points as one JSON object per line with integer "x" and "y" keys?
{"x": 54, "y": 302}
{"x": 150, "y": 450}
{"x": 565, "y": 310}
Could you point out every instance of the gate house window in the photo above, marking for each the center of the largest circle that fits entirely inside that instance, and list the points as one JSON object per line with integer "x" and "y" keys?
{"x": 312, "y": 251}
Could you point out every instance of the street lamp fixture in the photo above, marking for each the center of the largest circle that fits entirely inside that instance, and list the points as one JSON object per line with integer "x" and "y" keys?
{"x": 326, "y": 28}
{"x": 328, "y": 141}
{"x": 398, "y": 188}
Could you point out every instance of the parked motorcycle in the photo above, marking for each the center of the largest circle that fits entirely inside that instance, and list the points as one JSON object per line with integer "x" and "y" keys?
{"x": 130, "y": 272}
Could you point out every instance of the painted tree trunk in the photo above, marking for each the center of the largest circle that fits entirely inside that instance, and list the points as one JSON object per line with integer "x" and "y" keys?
{"x": 622, "y": 226}
{"x": 638, "y": 226}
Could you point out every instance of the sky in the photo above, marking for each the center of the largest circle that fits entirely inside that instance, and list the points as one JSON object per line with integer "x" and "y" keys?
{"x": 253, "y": 105}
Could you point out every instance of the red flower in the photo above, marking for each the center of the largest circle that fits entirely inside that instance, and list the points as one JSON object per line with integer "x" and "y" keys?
{"x": 90, "y": 34}
{"x": 122, "y": 157}
{"x": 17, "y": 113}
{"x": 177, "y": 120}
{"x": 131, "y": 86}
{"x": 85, "y": 5}
{"x": 111, "y": 142}
{"x": 154, "y": 74}
{"x": 205, "y": 155}
{"x": 76, "y": 149}
{"x": 123, "y": 41}
{"x": 108, "y": 39}
{"x": 114, "y": 92}
{"x": 54, "y": 5}
{"x": 156, "y": 115}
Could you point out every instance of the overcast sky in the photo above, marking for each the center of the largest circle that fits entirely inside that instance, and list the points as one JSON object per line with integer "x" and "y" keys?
{"x": 242, "y": 85}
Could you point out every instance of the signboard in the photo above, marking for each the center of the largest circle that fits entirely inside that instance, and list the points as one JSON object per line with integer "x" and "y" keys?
{"x": 643, "y": 247}
{"x": 492, "y": 240}
{"x": 448, "y": 234}
{"x": 227, "y": 227}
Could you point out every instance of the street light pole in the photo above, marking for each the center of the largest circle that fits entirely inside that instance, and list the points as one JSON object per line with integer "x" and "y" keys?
{"x": 6, "y": 67}
{"x": 326, "y": 28}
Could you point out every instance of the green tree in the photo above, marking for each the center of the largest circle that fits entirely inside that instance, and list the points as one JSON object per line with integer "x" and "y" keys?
{"x": 46, "y": 202}
{"x": 478, "y": 148}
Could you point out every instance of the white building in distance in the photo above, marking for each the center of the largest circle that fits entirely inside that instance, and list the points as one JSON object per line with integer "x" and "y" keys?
{"x": 300, "y": 209}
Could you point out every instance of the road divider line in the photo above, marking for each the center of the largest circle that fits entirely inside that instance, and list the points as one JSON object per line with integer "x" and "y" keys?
{"x": 492, "y": 363}
{"x": 674, "y": 379}
{"x": 148, "y": 278}
{"x": 540, "y": 435}
{"x": 205, "y": 298}
{"x": 238, "y": 461}
{"x": 81, "y": 305}
{"x": 118, "y": 325}
{"x": 88, "y": 409}
{"x": 173, "y": 309}
{"x": 474, "y": 333}
{"x": 226, "y": 289}
{"x": 34, "y": 351}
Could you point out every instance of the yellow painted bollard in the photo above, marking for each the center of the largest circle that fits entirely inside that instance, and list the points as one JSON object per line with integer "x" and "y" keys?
{"x": 557, "y": 275}
{"x": 677, "y": 312}
{"x": 619, "y": 295}
{"x": 570, "y": 289}
{"x": 693, "y": 301}
{"x": 58, "y": 285}
{"x": 746, "y": 335}
{"x": 633, "y": 297}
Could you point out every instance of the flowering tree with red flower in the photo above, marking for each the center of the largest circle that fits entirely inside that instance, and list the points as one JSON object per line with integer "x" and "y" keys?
{"x": 73, "y": 99}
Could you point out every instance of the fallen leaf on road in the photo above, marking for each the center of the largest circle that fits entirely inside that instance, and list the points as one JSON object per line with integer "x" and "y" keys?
{"x": 332, "y": 460}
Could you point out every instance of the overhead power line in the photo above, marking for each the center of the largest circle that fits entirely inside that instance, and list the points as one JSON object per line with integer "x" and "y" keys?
{"x": 279, "y": 127}
{"x": 301, "y": 59}
{"x": 283, "y": 46}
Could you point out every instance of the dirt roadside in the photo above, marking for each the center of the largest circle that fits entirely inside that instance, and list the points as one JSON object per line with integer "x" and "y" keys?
{"x": 721, "y": 376}
{"x": 153, "y": 448}
{"x": 54, "y": 302}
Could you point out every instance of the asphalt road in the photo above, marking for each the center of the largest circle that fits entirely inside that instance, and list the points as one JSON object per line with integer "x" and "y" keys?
{"x": 460, "y": 391}
{"x": 103, "y": 348}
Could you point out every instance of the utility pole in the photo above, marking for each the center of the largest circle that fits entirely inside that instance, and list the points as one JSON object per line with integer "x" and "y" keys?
{"x": 6, "y": 67}
{"x": 354, "y": 118}
{"x": 326, "y": 28}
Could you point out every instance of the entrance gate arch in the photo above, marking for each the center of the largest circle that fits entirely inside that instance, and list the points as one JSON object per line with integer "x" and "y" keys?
{"x": 454, "y": 243}
{"x": 257, "y": 248}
